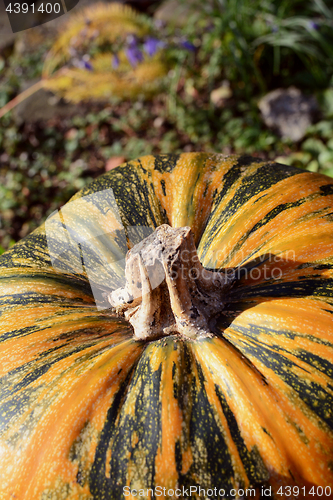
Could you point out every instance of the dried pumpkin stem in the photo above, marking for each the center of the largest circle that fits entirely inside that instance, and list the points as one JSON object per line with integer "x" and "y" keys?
{"x": 167, "y": 290}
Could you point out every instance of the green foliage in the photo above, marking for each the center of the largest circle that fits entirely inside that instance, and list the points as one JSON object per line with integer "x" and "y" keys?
{"x": 259, "y": 45}
{"x": 316, "y": 151}
{"x": 239, "y": 51}
{"x": 3, "y": 249}
{"x": 34, "y": 181}
{"x": 253, "y": 47}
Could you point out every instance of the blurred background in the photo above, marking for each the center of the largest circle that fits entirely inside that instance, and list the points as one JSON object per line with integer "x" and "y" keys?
{"x": 108, "y": 82}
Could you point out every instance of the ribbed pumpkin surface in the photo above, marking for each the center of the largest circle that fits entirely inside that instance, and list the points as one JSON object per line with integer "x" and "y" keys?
{"x": 86, "y": 410}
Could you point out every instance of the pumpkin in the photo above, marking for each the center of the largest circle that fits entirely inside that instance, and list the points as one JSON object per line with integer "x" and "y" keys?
{"x": 201, "y": 365}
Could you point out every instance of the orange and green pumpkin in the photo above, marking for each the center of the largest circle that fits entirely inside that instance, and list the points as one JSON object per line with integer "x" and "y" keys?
{"x": 231, "y": 395}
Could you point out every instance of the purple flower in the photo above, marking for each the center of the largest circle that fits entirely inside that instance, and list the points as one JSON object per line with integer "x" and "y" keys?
{"x": 131, "y": 41}
{"x": 82, "y": 64}
{"x": 187, "y": 45}
{"x": 87, "y": 65}
{"x": 152, "y": 45}
{"x": 273, "y": 27}
{"x": 313, "y": 25}
{"x": 133, "y": 53}
{"x": 115, "y": 61}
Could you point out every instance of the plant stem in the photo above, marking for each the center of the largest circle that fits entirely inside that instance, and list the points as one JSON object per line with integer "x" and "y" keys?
{"x": 21, "y": 97}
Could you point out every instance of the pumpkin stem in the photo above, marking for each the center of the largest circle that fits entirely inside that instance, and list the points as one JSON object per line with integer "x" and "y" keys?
{"x": 167, "y": 290}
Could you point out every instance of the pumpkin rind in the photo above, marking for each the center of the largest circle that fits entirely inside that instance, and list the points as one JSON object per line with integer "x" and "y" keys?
{"x": 86, "y": 410}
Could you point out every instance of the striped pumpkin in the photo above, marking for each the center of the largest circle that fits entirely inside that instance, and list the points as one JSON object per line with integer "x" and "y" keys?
{"x": 87, "y": 411}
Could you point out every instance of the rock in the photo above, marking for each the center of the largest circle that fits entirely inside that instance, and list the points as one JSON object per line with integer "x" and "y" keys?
{"x": 142, "y": 5}
{"x": 6, "y": 43}
{"x": 7, "y": 37}
{"x": 42, "y": 105}
{"x": 289, "y": 112}
{"x": 174, "y": 12}
{"x": 220, "y": 95}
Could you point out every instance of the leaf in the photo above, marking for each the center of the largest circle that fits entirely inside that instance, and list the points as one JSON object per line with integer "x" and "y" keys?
{"x": 313, "y": 146}
{"x": 326, "y": 101}
{"x": 313, "y": 166}
{"x": 114, "y": 162}
{"x": 328, "y": 172}
{"x": 325, "y": 158}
